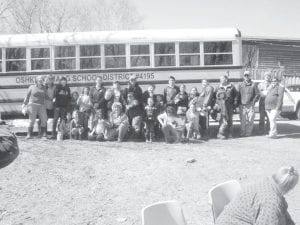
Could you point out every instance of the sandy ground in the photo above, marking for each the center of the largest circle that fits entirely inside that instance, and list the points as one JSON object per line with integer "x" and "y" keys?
{"x": 89, "y": 183}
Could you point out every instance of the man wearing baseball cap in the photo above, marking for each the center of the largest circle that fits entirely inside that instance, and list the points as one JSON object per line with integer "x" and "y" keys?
{"x": 248, "y": 95}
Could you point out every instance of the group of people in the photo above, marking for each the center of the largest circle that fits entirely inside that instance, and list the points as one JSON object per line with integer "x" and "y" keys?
{"x": 100, "y": 113}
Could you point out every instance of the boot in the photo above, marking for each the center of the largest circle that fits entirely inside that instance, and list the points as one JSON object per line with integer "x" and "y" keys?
{"x": 29, "y": 133}
{"x": 44, "y": 133}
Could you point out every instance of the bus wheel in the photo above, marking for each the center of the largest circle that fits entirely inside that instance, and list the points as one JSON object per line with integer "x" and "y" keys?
{"x": 298, "y": 112}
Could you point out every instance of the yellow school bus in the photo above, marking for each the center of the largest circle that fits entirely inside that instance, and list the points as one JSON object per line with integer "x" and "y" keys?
{"x": 189, "y": 55}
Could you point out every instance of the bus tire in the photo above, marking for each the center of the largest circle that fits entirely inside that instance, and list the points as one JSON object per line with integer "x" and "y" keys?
{"x": 297, "y": 114}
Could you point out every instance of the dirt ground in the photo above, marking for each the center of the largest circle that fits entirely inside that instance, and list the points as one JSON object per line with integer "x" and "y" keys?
{"x": 89, "y": 183}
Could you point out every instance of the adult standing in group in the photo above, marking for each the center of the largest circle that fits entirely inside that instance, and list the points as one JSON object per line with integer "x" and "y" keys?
{"x": 134, "y": 88}
{"x": 226, "y": 101}
{"x": 273, "y": 105}
{"x": 97, "y": 98}
{"x": 62, "y": 99}
{"x": 50, "y": 90}
{"x": 248, "y": 95}
{"x": 35, "y": 104}
{"x": 263, "y": 202}
{"x": 264, "y": 124}
{"x": 170, "y": 92}
{"x": 203, "y": 103}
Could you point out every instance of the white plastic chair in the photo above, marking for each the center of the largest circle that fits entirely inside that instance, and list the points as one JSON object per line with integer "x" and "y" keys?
{"x": 221, "y": 194}
{"x": 163, "y": 213}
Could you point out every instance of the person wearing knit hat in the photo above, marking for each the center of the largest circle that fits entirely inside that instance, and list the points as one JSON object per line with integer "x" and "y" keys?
{"x": 262, "y": 202}
{"x": 248, "y": 95}
{"x": 273, "y": 105}
{"x": 264, "y": 124}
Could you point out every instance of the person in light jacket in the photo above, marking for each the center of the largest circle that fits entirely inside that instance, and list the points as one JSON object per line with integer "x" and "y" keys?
{"x": 273, "y": 105}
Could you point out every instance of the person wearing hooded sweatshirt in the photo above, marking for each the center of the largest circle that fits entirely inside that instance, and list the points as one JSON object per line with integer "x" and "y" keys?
{"x": 248, "y": 95}
{"x": 62, "y": 99}
{"x": 263, "y": 202}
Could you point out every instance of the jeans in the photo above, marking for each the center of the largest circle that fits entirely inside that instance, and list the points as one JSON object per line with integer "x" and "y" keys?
{"x": 170, "y": 133}
{"x": 59, "y": 112}
{"x": 150, "y": 124}
{"x": 226, "y": 128}
{"x": 247, "y": 115}
{"x": 272, "y": 114}
{"x": 35, "y": 110}
{"x": 117, "y": 133}
{"x": 264, "y": 124}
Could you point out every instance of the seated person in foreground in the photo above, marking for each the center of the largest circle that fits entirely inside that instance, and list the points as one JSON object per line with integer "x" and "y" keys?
{"x": 77, "y": 126}
{"x": 192, "y": 125}
{"x": 262, "y": 203}
{"x": 118, "y": 124}
{"x": 99, "y": 127}
{"x": 172, "y": 126}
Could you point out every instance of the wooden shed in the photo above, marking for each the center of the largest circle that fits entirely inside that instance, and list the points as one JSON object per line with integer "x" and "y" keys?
{"x": 281, "y": 56}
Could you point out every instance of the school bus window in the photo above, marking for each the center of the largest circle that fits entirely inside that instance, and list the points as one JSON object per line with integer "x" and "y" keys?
{"x": 64, "y": 51}
{"x": 218, "y": 53}
{"x": 140, "y": 55}
{"x": 189, "y": 47}
{"x": 217, "y": 47}
{"x": 164, "y": 54}
{"x": 40, "y": 58}
{"x": 115, "y": 56}
{"x": 0, "y": 59}
{"x": 218, "y": 59}
{"x": 65, "y": 58}
{"x": 114, "y": 49}
{"x": 89, "y": 50}
{"x": 15, "y": 59}
{"x": 90, "y": 57}
{"x": 139, "y": 50}
{"x": 189, "y": 53}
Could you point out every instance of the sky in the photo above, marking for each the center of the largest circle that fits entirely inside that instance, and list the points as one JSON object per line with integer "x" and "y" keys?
{"x": 271, "y": 18}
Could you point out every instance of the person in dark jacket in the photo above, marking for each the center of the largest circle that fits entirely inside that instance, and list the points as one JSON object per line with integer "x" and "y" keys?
{"x": 135, "y": 114}
{"x": 149, "y": 93}
{"x": 9, "y": 149}
{"x": 170, "y": 92}
{"x": 226, "y": 101}
{"x": 35, "y": 104}
{"x": 182, "y": 99}
{"x": 98, "y": 101}
{"x": 62, "y": 99}
{"x": 248, "y": 95}
{"x": 134, "y": 88}
{"x": 273, "y": 105}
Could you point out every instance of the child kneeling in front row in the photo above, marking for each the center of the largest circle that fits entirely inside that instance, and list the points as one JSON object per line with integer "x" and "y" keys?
{"x": 100, "y": 126}
{"x": 77, "y": 126}
{"x": 64, "y": 128}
